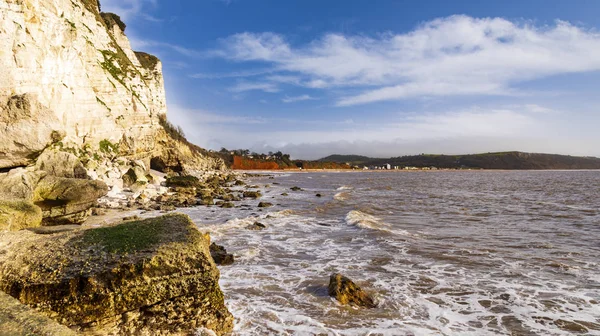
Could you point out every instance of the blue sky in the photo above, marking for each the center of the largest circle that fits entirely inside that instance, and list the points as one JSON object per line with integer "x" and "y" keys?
{"x": 379, "y": 78}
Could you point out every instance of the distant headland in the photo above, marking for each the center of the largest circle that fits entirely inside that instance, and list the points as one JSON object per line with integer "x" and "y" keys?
{"x": 514, "y": 160}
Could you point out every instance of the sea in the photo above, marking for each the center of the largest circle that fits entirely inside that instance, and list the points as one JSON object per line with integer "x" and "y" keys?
{"x": 441, "y": 252}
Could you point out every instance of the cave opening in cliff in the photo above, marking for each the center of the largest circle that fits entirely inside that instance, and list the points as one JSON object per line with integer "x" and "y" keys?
{"x": 159, "y": 164}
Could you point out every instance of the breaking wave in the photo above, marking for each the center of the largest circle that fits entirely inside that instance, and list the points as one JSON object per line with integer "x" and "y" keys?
{"x": 366, "y": 221}
{"x": 342, "y": 196}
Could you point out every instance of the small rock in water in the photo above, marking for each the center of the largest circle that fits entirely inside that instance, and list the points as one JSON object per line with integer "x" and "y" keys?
{"x": 265, "y": 204}
{"x": 347, "y": 292}
{"x": 319, "y": 195}
{"x": 296, "y": 189}
{"x": 284, "y": 194}
{"x": 220, "y": 255}
{"x": 252, "y": 194}
{"x": 256, "y": 226}
{"x": 131, "y": 218}
{"x": 227, "y": 205}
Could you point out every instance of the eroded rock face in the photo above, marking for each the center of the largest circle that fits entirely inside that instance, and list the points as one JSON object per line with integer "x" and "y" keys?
{"x": 148, "y": 277}
{"x": 84, "y": 74}
{"x": 347, "y": 292}
{"x": 26, "y": 127}
{"x": 61, "y": 164}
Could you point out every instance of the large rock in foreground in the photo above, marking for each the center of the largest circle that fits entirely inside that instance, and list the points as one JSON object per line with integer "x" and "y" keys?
{"x": 148, "y": 277}
{"x": 347, "y": 292}
{"x": 17, "y": 319}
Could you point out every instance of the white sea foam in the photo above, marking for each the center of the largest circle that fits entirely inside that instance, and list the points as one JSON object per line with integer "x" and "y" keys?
{"x": 442, "y": 283}
{"x": 366, "y": 221}
{"x": 345, "y": 187}
{"x": 342, "y": 196}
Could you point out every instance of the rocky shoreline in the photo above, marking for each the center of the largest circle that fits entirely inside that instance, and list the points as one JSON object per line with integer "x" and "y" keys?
{"x": 73, "y": 248}
{"x": 86, "y": 147}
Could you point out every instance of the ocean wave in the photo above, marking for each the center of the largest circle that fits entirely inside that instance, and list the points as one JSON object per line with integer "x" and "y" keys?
{"x": 366, "y": 221}
{"x": 345, "y": 187}
{"x": 342, "y": 196}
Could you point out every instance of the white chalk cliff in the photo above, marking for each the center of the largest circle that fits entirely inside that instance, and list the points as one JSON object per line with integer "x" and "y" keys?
{"x": 68, "y": 73}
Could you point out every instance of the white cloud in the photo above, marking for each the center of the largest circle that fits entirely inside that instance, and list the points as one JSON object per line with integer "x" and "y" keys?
{"x": 248, "y": 86}
{"x": 297, "y": 99}
{"x": 468, "y": 130}
{"x": 457, "y": 55}
{"x": 235, "y": 74}
{"x": 139, "y": 44}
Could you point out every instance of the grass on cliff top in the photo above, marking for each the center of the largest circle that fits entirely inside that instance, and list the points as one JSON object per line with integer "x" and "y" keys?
{"x": 135, "y": 236}
{"x": 148, "y": 61}
{"x": 112, "y": 19}
{"x": 176, "y": 133}
{"x": 92, "y": 5}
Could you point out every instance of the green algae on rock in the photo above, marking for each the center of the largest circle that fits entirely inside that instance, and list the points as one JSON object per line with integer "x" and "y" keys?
{"x": 154, "y": 276}
{"x": 183, "y": 181}
{"x": 16, "y": 215}
{"x": 347, "y": 292}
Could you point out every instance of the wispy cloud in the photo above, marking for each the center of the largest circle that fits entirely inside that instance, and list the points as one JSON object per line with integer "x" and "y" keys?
{"x": 466, "y": 130}
{"x": 297, "y": 99}
{"x": 457, "y": 55}
{"x": 249, "y": 86}
{"x": 141, "y": 44}
{"x": 235, "y": 74}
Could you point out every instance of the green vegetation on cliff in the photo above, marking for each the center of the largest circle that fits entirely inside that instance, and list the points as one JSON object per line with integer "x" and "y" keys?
{"x": 111, "y": 19}
{"x": 148, "y": 61}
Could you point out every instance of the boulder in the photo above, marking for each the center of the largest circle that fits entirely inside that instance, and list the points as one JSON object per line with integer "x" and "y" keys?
{"x": 149, "y": 277}
{"x": 207, "y": 200}
{"x": 228, "y": 197}
{"x": 257, "y": 226}
{"x": 20, "y": 183}
{"x": 252, "y": 194}
{"x": 265, "y": 205}
{"x": 183, "y": 181}
{"x": 67, "y": 201}
{"x": 62, "y": 200}
{"x": 61, "y": 164}
{"x": 220, "y": 255}
{"x": 135, "y": 175}
{"x": 227, "y": 205}
{"x": 19, "y": 214}
{"x": 347, "y": 292}
{"x": 27, "y": 128}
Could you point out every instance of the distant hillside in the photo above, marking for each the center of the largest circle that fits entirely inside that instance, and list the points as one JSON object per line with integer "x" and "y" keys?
{"x": 503, "y": 160}
{"x": 354, "y": 159}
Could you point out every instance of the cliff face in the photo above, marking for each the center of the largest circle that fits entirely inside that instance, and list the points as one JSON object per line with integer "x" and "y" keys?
{"x": 76, "y": 67}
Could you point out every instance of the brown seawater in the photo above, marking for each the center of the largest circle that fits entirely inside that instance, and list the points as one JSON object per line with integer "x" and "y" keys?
{"x": 444, "y": 253}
